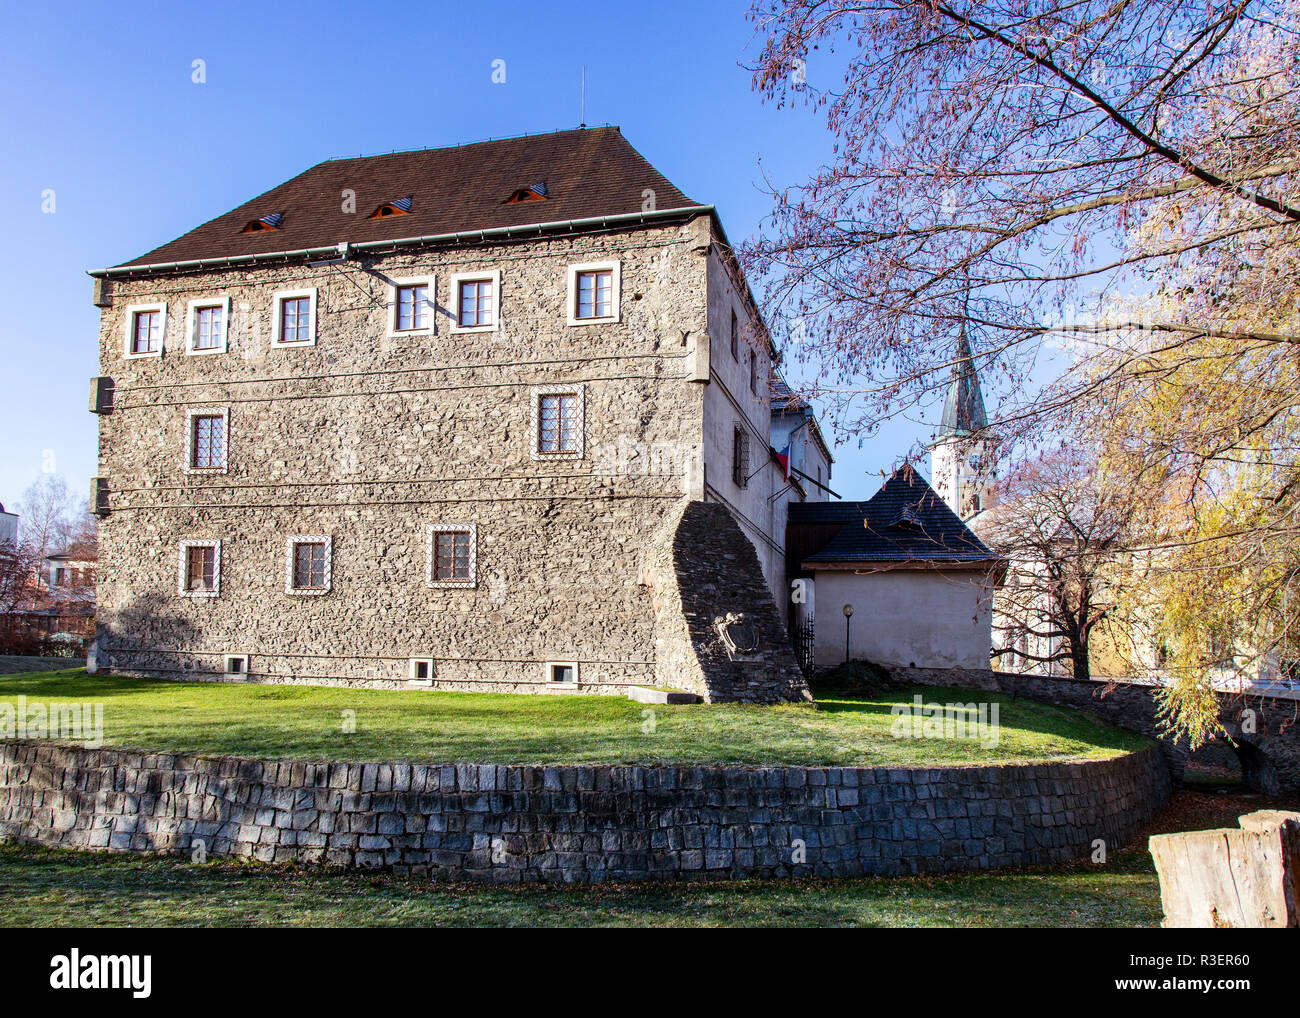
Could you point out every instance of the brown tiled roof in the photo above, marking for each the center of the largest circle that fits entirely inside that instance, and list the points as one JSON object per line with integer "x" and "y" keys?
{"x": 588, "y": 173}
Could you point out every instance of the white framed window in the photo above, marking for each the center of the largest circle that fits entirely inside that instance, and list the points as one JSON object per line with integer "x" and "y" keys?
{"x": 421, "y": 671}
{"x": 558, "y": 416}
{"x": 411, "y": 306}
{"x": 293, "y": 317}
{"x": 237, "y": 664}
{"x": 476, "y": 301}
{"x": 593, "y": 293}
{"x": 451, "y": 555}
{"x": 561, "y": 673}
{"x": 207, "y": 440}
{"x": 206, "y": 323}
{"x": 146, "y": 330}
{"x": 308, "y": 564}
{"x": 198, "y": 570}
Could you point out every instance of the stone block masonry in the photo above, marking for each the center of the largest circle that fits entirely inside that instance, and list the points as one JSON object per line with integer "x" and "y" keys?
{"x": 530, "y": 824}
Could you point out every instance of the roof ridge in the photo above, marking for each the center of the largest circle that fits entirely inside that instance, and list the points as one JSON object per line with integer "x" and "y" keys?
{"x": 468, "y": 144}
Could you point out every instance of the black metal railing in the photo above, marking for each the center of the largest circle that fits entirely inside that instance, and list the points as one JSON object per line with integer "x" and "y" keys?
{"x": 801, "y": 641}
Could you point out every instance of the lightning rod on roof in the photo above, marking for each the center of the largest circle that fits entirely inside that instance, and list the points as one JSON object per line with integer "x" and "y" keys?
{"x": 582, "y": 102}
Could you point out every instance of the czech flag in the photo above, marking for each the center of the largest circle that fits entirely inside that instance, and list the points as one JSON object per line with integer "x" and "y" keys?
{"x": 783, "y": 457}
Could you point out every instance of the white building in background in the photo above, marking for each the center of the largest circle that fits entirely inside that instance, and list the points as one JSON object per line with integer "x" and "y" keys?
{"x": 918, "y": 585}
{"x": 8, "y": 527}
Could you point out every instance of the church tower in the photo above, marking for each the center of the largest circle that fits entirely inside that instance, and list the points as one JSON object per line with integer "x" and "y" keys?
{"x": 962, "y": 455}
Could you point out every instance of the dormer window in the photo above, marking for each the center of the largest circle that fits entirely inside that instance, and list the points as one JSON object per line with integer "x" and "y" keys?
{"x": 534, "y": 192}
{"x": 271, "y": 222}
{"x": 908, "y": 516}
{"x": 397, "y": 207}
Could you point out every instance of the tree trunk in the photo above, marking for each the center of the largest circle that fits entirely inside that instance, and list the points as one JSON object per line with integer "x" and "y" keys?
{"x": 1249, "y": 877}
{"x": 1079, "y": 658}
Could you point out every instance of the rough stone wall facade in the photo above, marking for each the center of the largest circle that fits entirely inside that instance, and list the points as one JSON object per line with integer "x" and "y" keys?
{"x": 369, "y": 437}
{"x": 703, "y": 569}
{"x": 578, "y": 824}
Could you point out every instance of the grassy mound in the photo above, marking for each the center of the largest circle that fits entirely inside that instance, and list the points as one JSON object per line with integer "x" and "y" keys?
{"x": 312, "y": 722}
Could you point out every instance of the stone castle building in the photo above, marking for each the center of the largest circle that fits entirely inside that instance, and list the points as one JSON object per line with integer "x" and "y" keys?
{"x": 492, "y": 417}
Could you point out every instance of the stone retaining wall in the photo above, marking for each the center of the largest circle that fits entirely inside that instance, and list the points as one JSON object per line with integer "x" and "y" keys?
{"x": 578, "y": 824}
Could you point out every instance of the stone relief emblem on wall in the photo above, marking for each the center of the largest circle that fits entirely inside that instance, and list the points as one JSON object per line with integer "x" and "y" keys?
{"x": 737, "y": 633}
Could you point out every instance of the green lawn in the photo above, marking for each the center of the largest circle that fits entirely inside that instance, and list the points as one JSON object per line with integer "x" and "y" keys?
{"x": 39, "y": 887}
{"x": 307, "y": 722}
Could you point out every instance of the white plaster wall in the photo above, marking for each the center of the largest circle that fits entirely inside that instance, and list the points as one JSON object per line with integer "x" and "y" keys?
{"x": 959, "y": 473}
{"x": 805, "y": 453}
{"x": 932, "y": 619}
{"x": 728, "y": 402}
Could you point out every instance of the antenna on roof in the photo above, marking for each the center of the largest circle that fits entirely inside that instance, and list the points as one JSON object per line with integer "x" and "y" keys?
{"x": 582, "y": 105}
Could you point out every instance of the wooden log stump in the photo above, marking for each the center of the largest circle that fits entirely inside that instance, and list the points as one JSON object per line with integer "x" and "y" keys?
{"x": 1247, "y": 877}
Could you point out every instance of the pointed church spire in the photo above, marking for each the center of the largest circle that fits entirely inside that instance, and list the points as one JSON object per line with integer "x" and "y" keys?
{"x": 963, "y": 409}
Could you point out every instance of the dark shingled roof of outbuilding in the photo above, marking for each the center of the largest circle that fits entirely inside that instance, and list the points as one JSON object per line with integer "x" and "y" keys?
{"x": 905, "y": 521}
{"x": 588, "y": 173}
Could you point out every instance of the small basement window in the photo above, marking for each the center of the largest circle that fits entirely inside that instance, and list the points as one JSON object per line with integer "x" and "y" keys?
{"x": 236, "y": 664}
{"x": 562, "y": 673}
{"x": 421, "y": 671}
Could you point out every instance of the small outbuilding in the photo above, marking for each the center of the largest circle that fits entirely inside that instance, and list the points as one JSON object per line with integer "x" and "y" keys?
{"x": 898, "y": 579}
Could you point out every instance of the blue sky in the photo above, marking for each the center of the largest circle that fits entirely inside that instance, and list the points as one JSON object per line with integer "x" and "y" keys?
{"x": 99, "y": 106}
